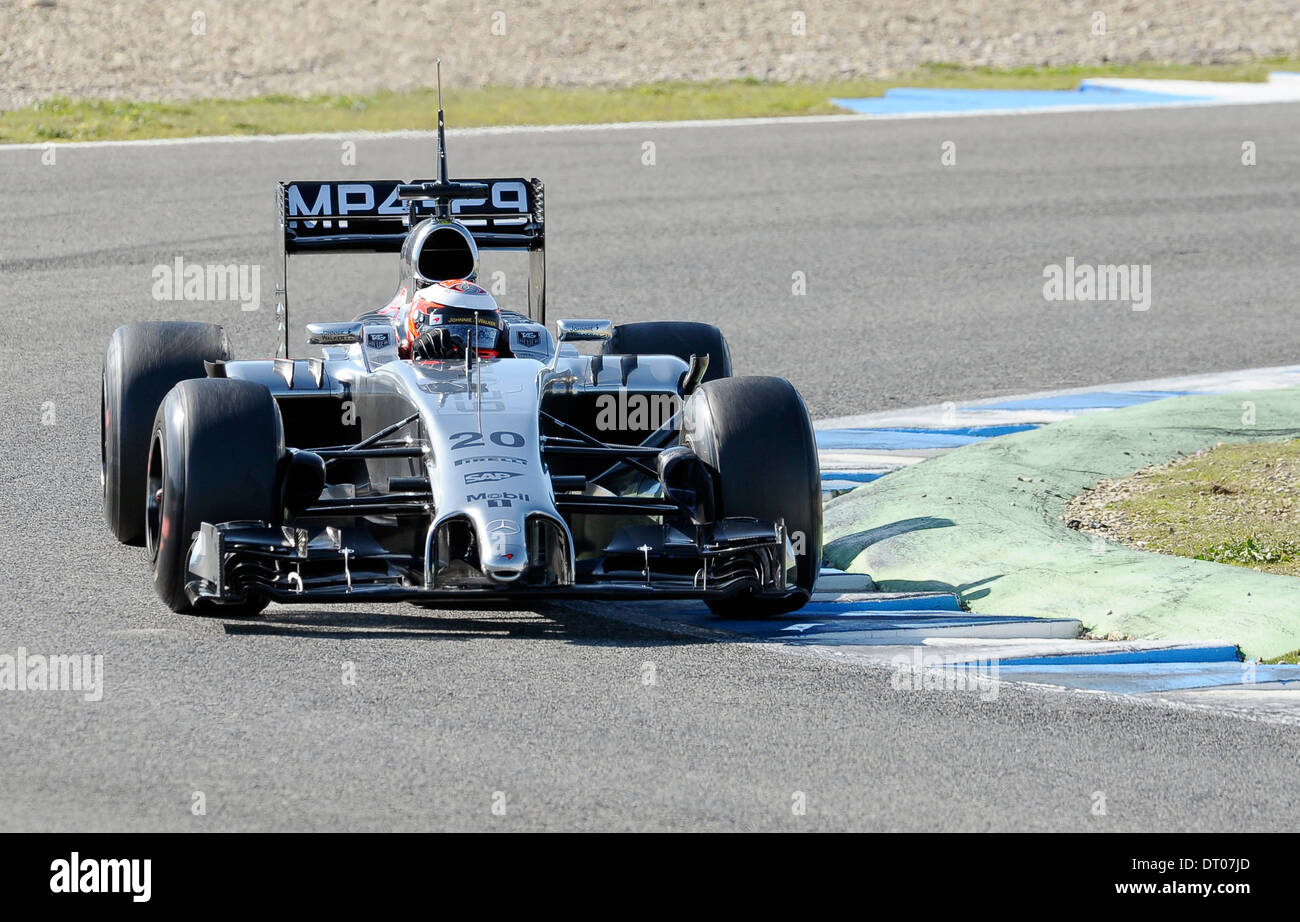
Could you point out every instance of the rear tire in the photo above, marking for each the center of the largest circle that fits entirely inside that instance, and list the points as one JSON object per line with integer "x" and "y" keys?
{"x": 214, "y": 457}
{"x": 143, "y": 362}
{"x": 755, "y": 434}
{"x": 680, "y": 338}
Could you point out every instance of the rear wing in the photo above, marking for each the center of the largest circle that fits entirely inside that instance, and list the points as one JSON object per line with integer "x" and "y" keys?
{"x": 369, "y": 216}
{"x": 375, "y": 216}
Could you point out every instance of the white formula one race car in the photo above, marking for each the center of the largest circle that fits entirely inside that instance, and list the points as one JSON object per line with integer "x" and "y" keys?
{"x": 440, "y": 450}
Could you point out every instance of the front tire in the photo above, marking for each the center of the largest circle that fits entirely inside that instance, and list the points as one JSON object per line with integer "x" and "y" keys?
{"x": 756, "y": 436}
{"x": 214, "y": 457}
{"x": 143, "y": 362}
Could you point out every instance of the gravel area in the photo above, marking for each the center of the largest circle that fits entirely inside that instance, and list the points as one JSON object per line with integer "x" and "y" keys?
{"x": 152, "y": 49}
{"x": 1233, "y": 504}
{"x": 1103, "y": 510}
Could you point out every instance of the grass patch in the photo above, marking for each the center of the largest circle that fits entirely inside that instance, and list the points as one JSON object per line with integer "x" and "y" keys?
{"x": 1235, "y": 504}
{"x": 64, "y": 119}
{"x": 1248, "y": 552}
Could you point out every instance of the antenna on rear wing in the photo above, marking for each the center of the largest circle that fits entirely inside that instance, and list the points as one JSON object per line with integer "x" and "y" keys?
{"x": 442, "y": 137}
{"x": 444, "y": 190}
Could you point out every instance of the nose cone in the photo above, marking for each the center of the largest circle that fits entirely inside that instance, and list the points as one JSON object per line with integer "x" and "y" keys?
{"x": 504, "y": 554}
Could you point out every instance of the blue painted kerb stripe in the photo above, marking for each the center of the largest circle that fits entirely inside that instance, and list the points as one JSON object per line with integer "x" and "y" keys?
{"x": 893, "y": 439}
{"x": 1092, "y": 400}
{"x": 920, "y": 99}
{"x": 1216, "y": 654}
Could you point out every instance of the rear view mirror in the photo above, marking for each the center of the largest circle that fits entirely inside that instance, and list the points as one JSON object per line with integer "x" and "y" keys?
{"x": 333, "y": 334}
{"x": 576, "y": 331}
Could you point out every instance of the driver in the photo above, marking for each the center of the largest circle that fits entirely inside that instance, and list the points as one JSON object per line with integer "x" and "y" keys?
{"x": 446, "y": 318}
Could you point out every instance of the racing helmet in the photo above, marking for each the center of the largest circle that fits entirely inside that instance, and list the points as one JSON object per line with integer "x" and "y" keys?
{"x": 465, "y": 310}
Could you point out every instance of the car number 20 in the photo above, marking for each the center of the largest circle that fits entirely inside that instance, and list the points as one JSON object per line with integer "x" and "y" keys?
{"x": 502, "y": 437}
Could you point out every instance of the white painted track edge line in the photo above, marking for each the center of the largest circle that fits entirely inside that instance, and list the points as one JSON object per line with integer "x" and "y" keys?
{"x": 1203, "y": 379}
{"x": 847, "y": 117}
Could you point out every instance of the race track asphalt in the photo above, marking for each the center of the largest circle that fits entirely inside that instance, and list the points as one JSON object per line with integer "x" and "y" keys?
{"x": 924, "y": 283}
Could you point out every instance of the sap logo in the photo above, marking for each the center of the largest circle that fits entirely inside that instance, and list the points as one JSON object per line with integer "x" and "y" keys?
{"x": 377, "y": 340}
{"x": 490, "y": 476}
{"x": 491, "y": 460}
{"x": 496, "y": 498}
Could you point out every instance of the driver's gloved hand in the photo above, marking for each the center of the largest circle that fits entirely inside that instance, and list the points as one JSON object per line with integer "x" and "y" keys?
{"x": 436, "y": 344}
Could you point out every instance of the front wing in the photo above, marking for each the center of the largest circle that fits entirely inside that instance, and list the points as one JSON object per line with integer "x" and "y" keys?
{"x": 231, "y": 561}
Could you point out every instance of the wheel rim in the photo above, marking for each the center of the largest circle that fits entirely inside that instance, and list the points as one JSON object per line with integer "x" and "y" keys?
{"x": 154, "y": 497}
